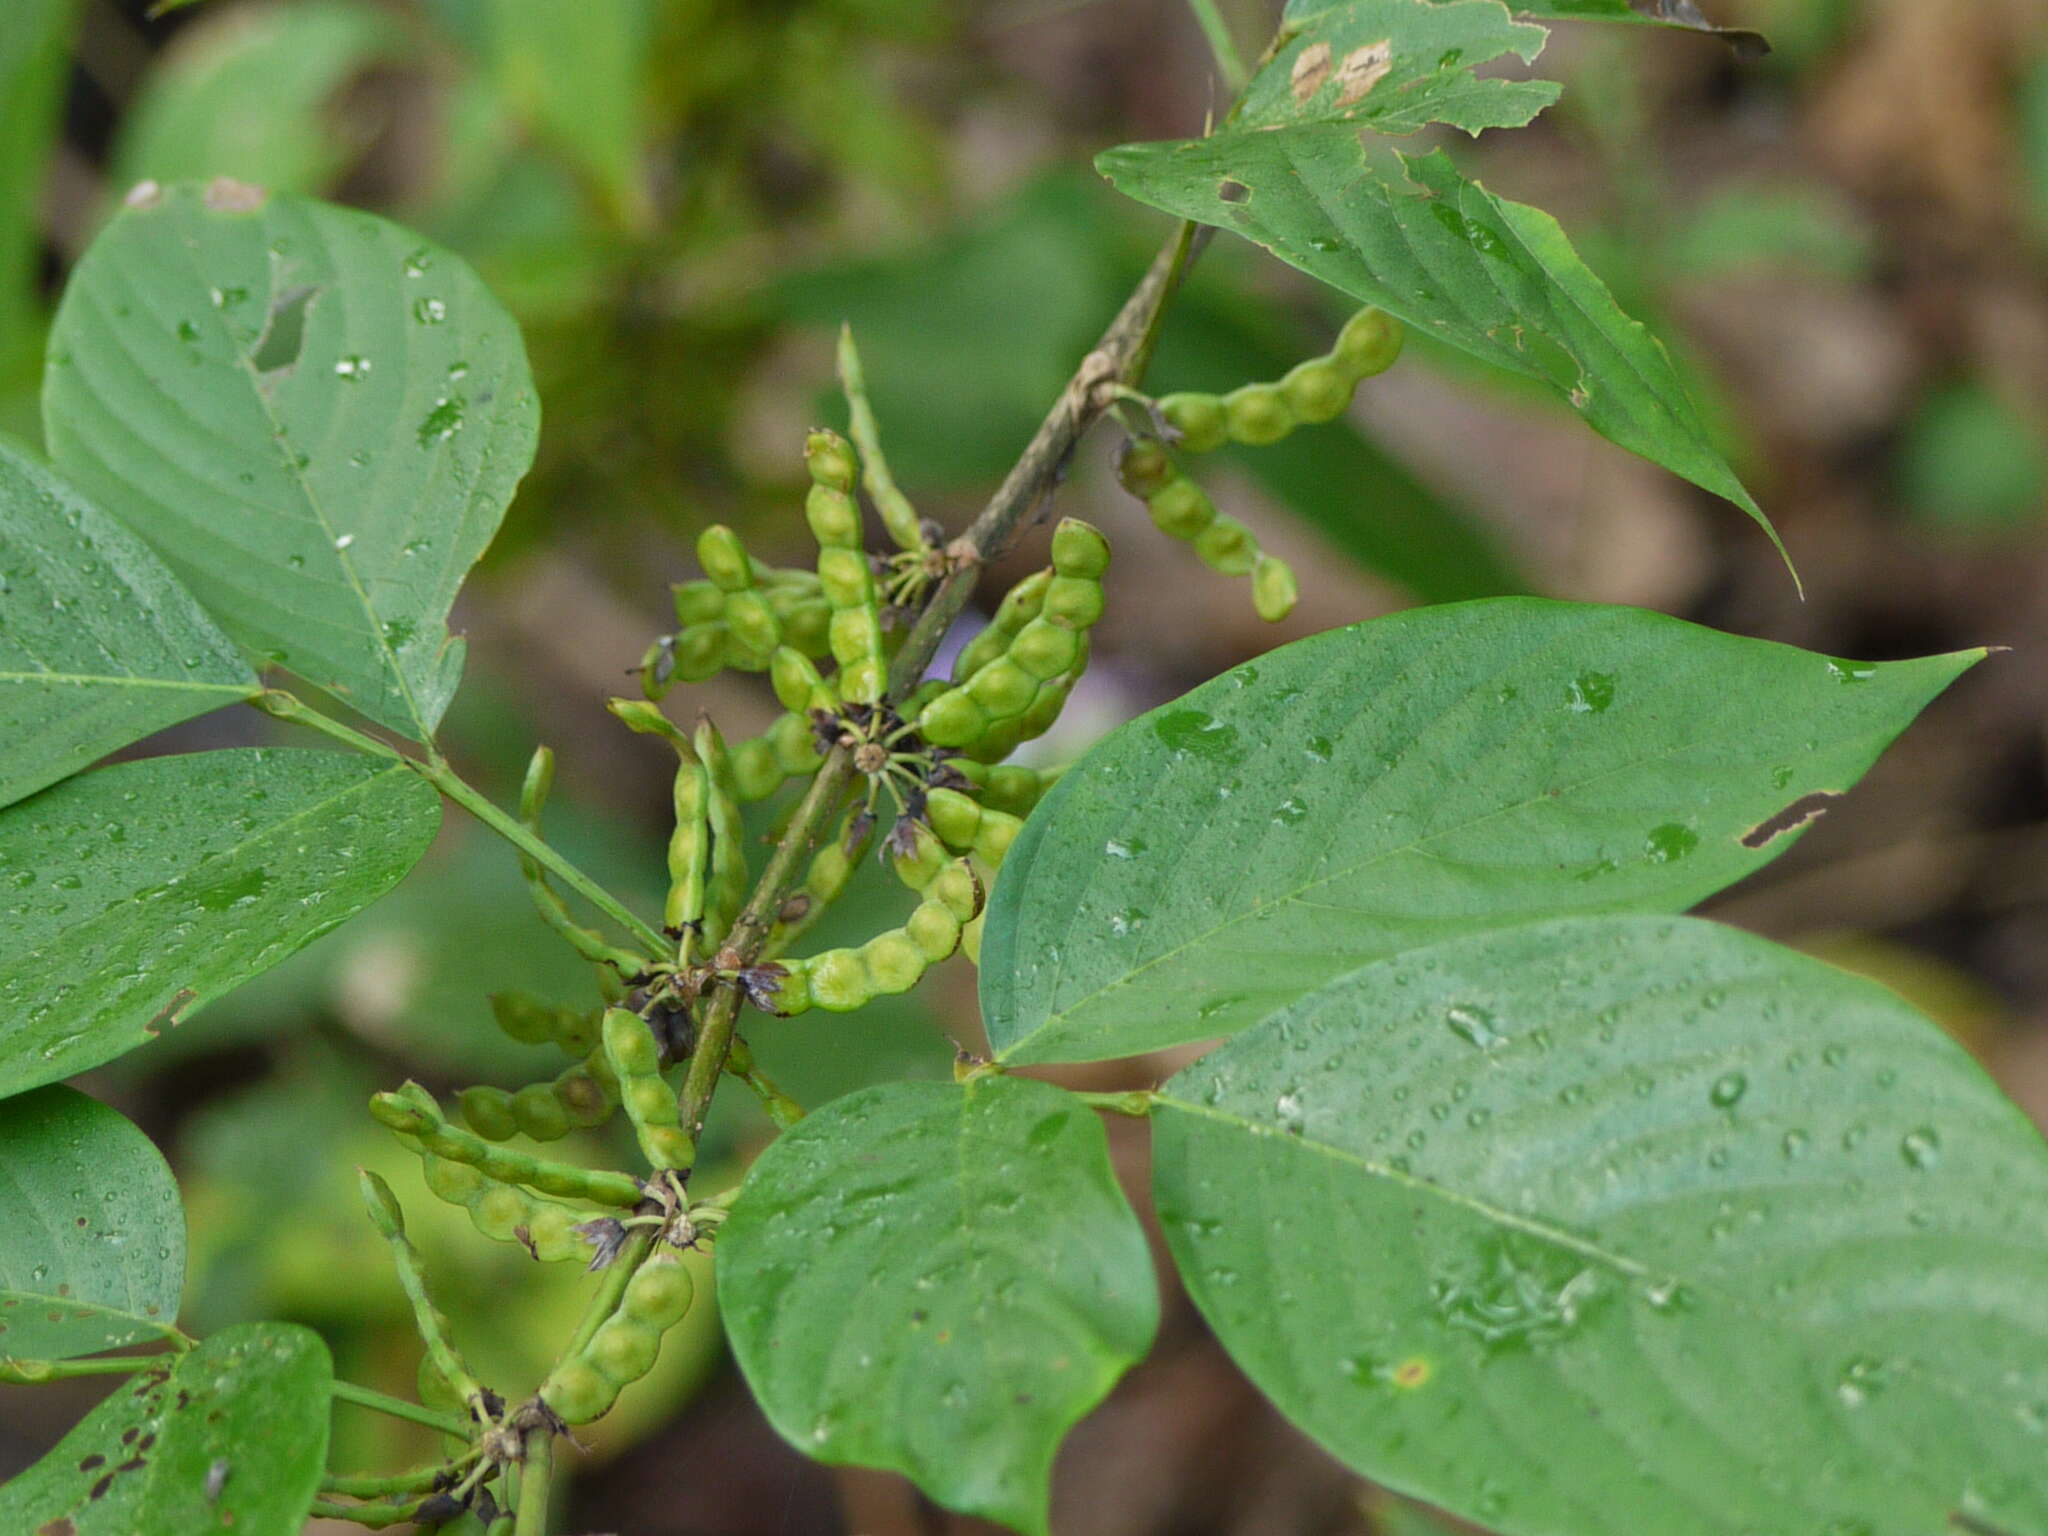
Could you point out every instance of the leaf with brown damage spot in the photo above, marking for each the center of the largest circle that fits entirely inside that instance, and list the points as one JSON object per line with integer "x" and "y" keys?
{"x": 1362, "y": 69}
{"x": 1801, "y": 812}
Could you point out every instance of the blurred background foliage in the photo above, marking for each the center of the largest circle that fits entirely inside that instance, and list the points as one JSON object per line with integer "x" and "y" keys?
{"x": 1846, "y": 245}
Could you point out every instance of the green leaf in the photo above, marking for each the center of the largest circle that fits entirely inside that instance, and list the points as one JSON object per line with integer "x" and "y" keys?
{"x": 1648, "y": 13}
{"x": 576, "y": 74}
{"x": 316, "y": 418}
{"x": 34, "y": 61}
{"x": 1410, "y": 234}
{"x": 230, "y": 1437}
{"x": 244, "y": 94}
{"x": 940, "y": 1280}
{"x": 1389, "y": 785}
{"x": 102, "y": 645}
{"x": 143, "y": 891}
{"x": 1396, "y": 66}
{"x": 95, "y": 1252}
{"x": 1627, "y": 1224}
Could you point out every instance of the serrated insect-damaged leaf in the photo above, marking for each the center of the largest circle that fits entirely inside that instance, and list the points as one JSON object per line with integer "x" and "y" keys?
{"x": 940, "y": 1280}
{"x": 1626, "y": 1224}
{"x": 135, "y": 894}
{"x": 1395, "y": 66}
{"x": 230, "y": 1437}
{"x": 100, "y": 644}
{"x": 1382, "y": 787}
{"x": 317, "y": 418}
{"x": 1494, "y": 278}
{"x": 95, "y": 1250}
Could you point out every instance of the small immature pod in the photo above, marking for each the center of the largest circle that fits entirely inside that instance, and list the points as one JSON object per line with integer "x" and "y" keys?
{"x": 1274, "y": 590}
{"x": 752, "y": 627}
{"x": 507, "y": 1214}
{"x": 1199, "y": 419}
{"x": 1318, "y": 390}
{"x": 841, "y": 980}
{"x": 1143, "y": 466}
{"x": 798, "y": 685}
{"x": 699, "y": 650}
{"x": 971, "y": 827}
{"x": 1008, "y": 787}
{"x": 1257, "y": 414}
{"x": 830, "y": 459}
{"x": 728, "y": 879}
{"x": 755, "y": 770}
{"x": 648, "y": 1100}
{"x": 1020, "y": 605}
{"x": 725, "y": 559}
{"x": 805, "y": 617}
{"x": 489, "y": 1112}
{"x": 831, "y": 867}
{"x": 412, "y": 1112}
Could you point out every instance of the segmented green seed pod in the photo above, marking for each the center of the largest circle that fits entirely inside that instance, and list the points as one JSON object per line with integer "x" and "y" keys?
{"x": 953, "y": 719}
{"x": 1020, "y": 605}
{"x": 752, "y": 626}
{"x": 530, "y": 1021}
{"x": 1257, "y": 414}
{"x": 412, "y": 1112}
{"x": 505, "y": 1213}
{"x": 626, "y": 1345}
{"x": 1199, "y": 419}
{"x": 1274, "y": 590}
{"x": 1318, "y": 390}
{"x": 729, "y": 879}
{"x": 645, "y": 1095}
{"x": 725, "y": 559}
{"x": 1181, "y": 509}
{"x": 841, "y": 980}
{"x": 921, "y": 865}
{"x": 699, "y": 651}
{"x": 689, "y": 848}
{"x": 1008, "y": 787}
{"x": 1079, "y": 550}
{"x": 796, "y": 745}
{"x": 1226, "y": 545}
{"x": 798, "y": 685}
{"x": 1369, "y": 343}
{"x": 755, "y": 770}
{"x": 971, "y": 827}
{"x": 488, "y": 1112}
{"x": 805, "y": 617}
{"x": 1002, "y": 688}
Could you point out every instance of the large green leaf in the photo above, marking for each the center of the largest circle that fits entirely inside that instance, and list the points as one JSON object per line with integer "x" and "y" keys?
{"x": 315, "y": 417}
{"x": 95, "y": 1251}
{"x": 1385, "y": 786}
{"x": 243, "y": 93}
{"x": 1494, "y": 278}
{"x": 34, "y": 57}
{"x": 938, "y": 1279}
{"x": 1613, "y": 1225}
{"x": 139, "y": 893}
{"x": 230, "y": 1437}
{"x": 101, "y": 645}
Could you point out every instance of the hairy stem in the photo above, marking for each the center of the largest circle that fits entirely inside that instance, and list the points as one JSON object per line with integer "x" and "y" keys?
{"x": 286, "y": 706}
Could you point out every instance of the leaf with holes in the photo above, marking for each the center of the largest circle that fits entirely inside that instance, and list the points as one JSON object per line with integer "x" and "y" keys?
{"x": 315, "y": 417}
{"x": 101, "y": 645}
{"x": 229, "y": 1437}
{"x": 1385, "y": 786}
{"x": 1621, "y": 1224}
{"x": 940, "y": 1280}
{"x": 1410, "y": 234}
{"x": 95, "y": 1252}
{"x": 138, "y": 893}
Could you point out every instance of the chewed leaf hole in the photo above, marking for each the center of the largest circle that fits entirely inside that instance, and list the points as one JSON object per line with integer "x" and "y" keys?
{"x": 1234, "y": 192}
{"x": 1807, "y": 808}
{"x": 284, "y": 333}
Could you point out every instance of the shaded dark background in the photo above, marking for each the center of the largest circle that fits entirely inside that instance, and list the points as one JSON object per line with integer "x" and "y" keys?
{"x": 1846, "y": 244}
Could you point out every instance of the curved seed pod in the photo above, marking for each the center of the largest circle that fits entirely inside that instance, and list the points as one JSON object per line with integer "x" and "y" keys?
{"x": 1020, "y": 605}
{"x": 1274, "y": 589}
{"x": 649, "y": 1101}
{"x": 578, "y": 1097}
{"x": 964, "y": 824}
{"x": 855, "y": 631}
{"x": 1008, "y": 787}
{"x": 753, "y": 628}
{"x": 831, "y": 867}
{"x": 1199, "y": 419}
{"x": 897, "y": 514}
{"x": 692, "y": 796}
{"x": 506, "y": 1213}
{"x": 530, "y": 1021}
{"x": 841, "y": 980}
{"x": 1143, "y": 466}
{"x": 1181, "y": 509}
{"x": 1039, "y": 650}
{"x": 591, "y": 945}
{"x": 431, "y": 1321}
{"x": 1257, "y": 414}
{"x": 1369, "y": 343}
{"x": 727, "y": 877}
{"x": 699, "y": 651}
{"x": 725, "y": 559}
{"x": 798, "y": 685}
{"x": 626, "y": 1345}
{"x": 830, "y": 460}
{"x": 411, "y": 1111}
{"x": 921, "y": 865}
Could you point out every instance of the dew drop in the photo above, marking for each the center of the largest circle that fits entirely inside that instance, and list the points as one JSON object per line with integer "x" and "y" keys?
{"x": 1728, "y": 1090}
{"x": 1475, "y": 1026}
{"x": 1921, "y": 1149}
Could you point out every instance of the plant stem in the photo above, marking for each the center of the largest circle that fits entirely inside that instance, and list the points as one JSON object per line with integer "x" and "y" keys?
{"x": 399, "y": 1408}
{"x": 535, "y": 1471}
{"x": 1137, "y": 1103}
{"x": 378, "y": 1485}
{"x": 1229, "y": 62}
{"x": 285, "y": 706}
{"x": 33, "y": 1373}
{"x": 376, "y": 1517}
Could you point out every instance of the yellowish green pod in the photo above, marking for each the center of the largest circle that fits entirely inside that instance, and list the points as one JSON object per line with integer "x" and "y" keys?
{"x": 841, "y": 980}
{"x": 626, "y": 1345}
{"x": 1274, "y": 590}
{"x": 728, "y": 877}
{"x": 649, "y": 1102}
